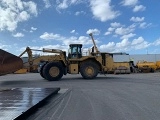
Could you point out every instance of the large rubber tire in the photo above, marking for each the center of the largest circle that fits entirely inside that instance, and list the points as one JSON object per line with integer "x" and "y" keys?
{"x": 41, "y": 71}
{"x": 152, "y": 70}
{"x": 89, "y": 70}
{"x": 53, "y": 71}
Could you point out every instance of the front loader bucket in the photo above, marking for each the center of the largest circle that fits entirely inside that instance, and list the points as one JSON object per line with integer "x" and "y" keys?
{"x": 9, "y": 63}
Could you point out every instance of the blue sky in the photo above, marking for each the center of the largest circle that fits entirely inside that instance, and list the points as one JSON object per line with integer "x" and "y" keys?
{"x": 130, "y": 26}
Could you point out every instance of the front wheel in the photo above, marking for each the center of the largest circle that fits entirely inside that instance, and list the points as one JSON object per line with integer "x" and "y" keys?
{"x": 89, "y": 70}
{"x": 53, "y": 71}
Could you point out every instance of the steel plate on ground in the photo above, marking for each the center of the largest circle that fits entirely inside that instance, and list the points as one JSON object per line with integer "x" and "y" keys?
{"x": 16, "y": 102}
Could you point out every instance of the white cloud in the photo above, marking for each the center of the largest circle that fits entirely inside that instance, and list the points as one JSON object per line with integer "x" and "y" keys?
{"x": 80, "y": 12}
{"x": 67, "y": 40}
{"x": 18, "y": 35}
{"x": 73, "y": 31}
{"x": 137, "y": 19}
{"x": 107, "y": 33}
{"x": 139, "y": 43}
{"x": 4, "y": 47}
{"x": 133, "y": 26}
{"x": 47, "y": 3}
{"x": 143, "y": 45}
{"x": 157, "y": 42}
{"x": 119, "y": 29}
{"x": 81, "y": 40}
{"x": 57, "y": 46}
{"x": 123, "y": 31}
{"x": 14, "y": 11}
{"x": 75, "y": 1}
{"x": 130, "y": 35}
{"x": 110, "y": 47}
{"x": 115, "y": 25}
{"x": 94, "y": 31}
{"x": 33, "y": 28}
{"x": 63, "y": 5}
{"x": 23, "y": 16}
{"x": 129, "y": 2}
{"x": 126, "y": 45}
{"x": 110, "y": 29}
{"x": 122, "y": 46}
{"x": 102, "y": 10}
{"x": 138, "y": 8}
{"x": 133, "y": 3}
{"x": 31, "y": 7}
{"x": 144, "y": 25}
{"x": 66, "y": 3}
{"x": 51, "y": 36}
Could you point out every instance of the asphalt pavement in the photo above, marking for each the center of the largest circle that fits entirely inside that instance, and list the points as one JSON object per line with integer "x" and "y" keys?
{"x": 110, "y": 97}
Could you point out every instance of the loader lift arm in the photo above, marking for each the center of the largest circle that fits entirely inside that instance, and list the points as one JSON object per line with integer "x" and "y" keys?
{"x": 30, "y": 56}
{"x": 31, "y": 59}
{"x": 95, "y": 47}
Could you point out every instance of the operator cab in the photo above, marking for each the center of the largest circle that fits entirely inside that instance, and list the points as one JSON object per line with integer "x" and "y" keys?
{"x": 75, "y": 51}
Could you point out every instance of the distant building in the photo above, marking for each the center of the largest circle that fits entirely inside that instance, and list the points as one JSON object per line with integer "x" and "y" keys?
{"x": 137, "y": 57}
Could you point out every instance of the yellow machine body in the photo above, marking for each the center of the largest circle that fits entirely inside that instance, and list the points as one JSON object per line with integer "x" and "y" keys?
{"x": 158, "y": 64}
{"x": 145, "y": 66}
{"x": 21, "y": 71}
{"x": 73, "y": 69}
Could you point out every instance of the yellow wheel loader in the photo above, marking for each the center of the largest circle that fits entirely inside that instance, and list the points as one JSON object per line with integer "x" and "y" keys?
{"x": 88, "y": 66}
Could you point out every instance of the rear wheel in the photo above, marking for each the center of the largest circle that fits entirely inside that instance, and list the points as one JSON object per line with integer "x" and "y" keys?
{"x": 41, "y": 71}
{"x": 89, "y": 70}
{"x": 53, "y": 71}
